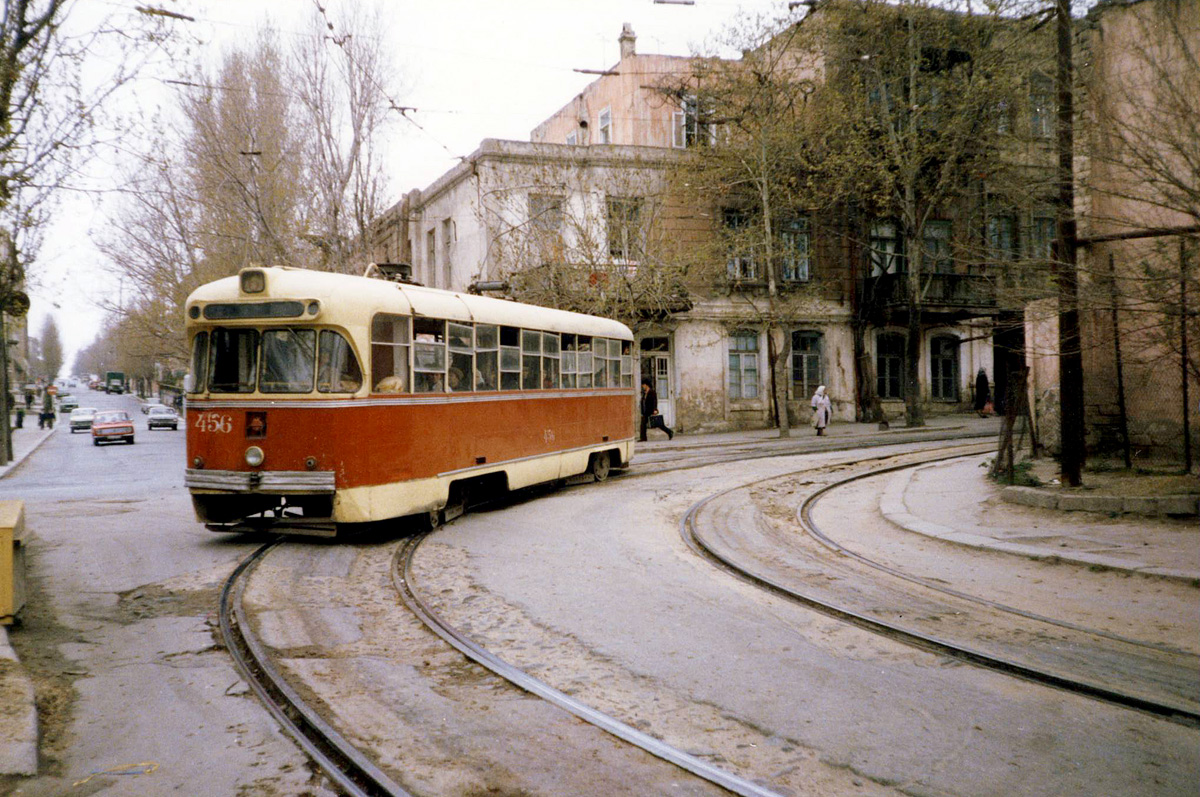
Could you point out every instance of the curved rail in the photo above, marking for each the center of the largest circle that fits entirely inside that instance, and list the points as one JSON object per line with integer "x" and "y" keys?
{"x": 402, "y": 578}
{"x": 340, "y": 760}
{"x": 1174, "y": 713}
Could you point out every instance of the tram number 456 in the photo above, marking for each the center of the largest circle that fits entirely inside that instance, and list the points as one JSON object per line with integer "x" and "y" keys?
{"x": 214, "y": 422}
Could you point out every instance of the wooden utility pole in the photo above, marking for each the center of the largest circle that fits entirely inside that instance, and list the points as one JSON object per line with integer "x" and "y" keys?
{"x": 1070, "y": 354}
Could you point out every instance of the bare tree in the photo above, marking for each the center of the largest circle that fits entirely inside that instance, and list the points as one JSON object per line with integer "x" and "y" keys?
{"x": 344, "y": 76}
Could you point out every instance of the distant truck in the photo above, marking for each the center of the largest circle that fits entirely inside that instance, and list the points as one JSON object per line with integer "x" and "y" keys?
{"x": 114, "y": 382}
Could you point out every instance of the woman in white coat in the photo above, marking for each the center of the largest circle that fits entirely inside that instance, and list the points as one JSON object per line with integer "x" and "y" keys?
{"x": 822, "y": 407}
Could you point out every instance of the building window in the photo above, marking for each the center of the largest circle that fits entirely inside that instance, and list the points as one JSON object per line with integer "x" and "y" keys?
{"x": 606, "y": 126}
{"x": 806, "y": 363}
{"x": 625, "y": 228}
{"x": 572, "y": 138}
{"x": 943, "y": 364}
{"x": 431, "y": 254}
{"x": 794, "y": 241}
{"x": 545, "y": 226}
{"x": 743, "y": 364}
{"x": 889, "y": 366}
{"x": 937, "y": 248}
{"x": 1041, "y": 106}
{"x": 447, "y": 240}
{"x": 1002, "y": 238}
{"x": 1041, "y": 238}
{"x": 690, "y": 126}
{"x": 741, "y": 265}
{"x": 886, "y": 248}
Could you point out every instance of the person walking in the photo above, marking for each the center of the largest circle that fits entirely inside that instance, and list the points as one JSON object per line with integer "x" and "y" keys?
{"x": 822, "y": 407}
{"x": 46, "y": 419}
{"x": 650, "y": 416}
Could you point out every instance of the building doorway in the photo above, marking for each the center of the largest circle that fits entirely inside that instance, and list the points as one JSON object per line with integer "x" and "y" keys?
{"x": 657, "y": 367}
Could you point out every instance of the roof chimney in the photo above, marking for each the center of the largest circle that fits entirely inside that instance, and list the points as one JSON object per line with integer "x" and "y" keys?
{"x": 627, "y": 40}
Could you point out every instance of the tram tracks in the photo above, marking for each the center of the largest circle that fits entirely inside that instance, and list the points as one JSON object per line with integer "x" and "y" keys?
{"x": 306, "y": 724}
{"x": 729, "y": 530}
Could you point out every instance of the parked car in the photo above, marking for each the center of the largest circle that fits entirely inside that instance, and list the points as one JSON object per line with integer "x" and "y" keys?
{"x": 161, "y": 417}
{"x": 109, "y": 425}
{"x": 150, "y": 406}
{"x": 81, "y": 418}
{"x": 68, "y": 403}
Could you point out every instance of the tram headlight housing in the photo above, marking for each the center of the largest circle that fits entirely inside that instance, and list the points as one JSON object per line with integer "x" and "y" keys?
{"x": 197, "y": 462}
{"x": 253, "y": 281}
{"x": 254, "y": 456}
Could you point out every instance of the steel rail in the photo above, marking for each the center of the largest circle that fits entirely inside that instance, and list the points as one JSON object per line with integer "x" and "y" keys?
{"x": 349, "y": 769}
{"x": 1177, "y": 714}
{"x": 402, "y": 578}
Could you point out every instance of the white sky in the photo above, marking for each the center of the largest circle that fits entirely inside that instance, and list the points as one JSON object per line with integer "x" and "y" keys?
{"x": 474, "y": 69}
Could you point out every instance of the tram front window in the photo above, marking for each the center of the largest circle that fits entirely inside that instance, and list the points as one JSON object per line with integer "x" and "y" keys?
{"x": 288, "y": 357}
{"x": 337, "y": 367}
{"x": 199, "y": 361}
{"x": 233, "y": 362}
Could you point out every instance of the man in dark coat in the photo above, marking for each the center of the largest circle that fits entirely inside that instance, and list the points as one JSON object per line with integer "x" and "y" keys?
{"x": 983, "y": 394}
{"x": 650, "y": 416}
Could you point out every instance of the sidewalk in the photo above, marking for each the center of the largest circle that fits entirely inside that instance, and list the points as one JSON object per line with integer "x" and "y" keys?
{"x": 956, "y": 501}
{"x": 18, "y": 721}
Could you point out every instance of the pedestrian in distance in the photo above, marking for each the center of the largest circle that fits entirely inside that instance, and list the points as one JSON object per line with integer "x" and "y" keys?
{"x": 822, "y": 408}
{"x": 650, "y": 417}
{"x": 46, "y": 419}
{"x": 983, "y": 395}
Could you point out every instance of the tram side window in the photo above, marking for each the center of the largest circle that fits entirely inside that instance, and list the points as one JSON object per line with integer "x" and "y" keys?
{"x": 429, "y": 355}
{"x": 199, "y": 362}
{"x": 550, "y": 360}
{"x": 462, "y": 357}
{"x": 627, "y": 364}
{"x": 389, "y": 353}
{"x": 531, "y": 361}
{"x": 288, "y": 360}
{"x": 338, "y": 370}
{"x": 487, "y": 357}
{"x": 510, "y": 358}
{"x": 570, "y": 360}
{"x": 614, "y": 363}
{"x": 233, "y": 364}
{"x": 585, "y": 361}
{"x": 600, "y": 362}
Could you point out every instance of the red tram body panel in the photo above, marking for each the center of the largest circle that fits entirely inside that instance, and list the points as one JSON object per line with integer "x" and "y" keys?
{"x": 410, "y": 411}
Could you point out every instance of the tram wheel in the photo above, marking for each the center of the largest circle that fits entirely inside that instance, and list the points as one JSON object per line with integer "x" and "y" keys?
{"x": 600, "y": 466}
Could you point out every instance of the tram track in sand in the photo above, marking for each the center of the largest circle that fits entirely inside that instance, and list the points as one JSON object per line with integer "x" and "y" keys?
{"x": 352, "y": 769}
{"x": 1130, "y": 673}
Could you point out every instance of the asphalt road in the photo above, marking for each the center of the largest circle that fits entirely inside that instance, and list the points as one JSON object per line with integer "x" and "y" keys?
{"x": 119, "y": 632}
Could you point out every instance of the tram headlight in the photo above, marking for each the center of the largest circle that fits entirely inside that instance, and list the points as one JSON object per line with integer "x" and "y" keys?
{"x": 254, "y": 456}
{"x": 253, "y": 281}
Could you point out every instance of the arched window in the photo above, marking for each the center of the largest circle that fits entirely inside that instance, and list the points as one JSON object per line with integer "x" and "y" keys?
{"x": 943, "y": 368}
{"x": 889, "y": 366}
{"x": 806, "y": 363}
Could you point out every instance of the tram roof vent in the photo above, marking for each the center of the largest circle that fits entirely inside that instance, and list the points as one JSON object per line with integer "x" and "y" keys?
{"x": 392, "y": 272}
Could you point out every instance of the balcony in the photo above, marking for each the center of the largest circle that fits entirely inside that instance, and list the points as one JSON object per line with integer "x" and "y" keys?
{"x": 946, "y": 295}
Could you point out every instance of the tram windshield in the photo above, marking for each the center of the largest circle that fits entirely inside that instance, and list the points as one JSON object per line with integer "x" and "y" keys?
{"x": 279, "y": 360}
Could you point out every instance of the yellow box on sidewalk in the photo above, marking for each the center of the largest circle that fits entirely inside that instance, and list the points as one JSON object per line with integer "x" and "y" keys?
{"x": 12, "y": 560}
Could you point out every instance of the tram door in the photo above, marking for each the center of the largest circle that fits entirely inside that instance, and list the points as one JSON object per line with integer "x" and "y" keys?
{"x": 656, "y": 366}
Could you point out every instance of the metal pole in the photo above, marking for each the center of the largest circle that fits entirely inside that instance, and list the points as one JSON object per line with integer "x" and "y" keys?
{"x": 1116, "y": 325}
{"x": 1070, "y": 355}
{"x": 7, "y": 388}
{"x": 1183, "y": 353}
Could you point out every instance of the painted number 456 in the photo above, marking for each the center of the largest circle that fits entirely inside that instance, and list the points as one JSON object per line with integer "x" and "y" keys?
{"x": 214, "y": 422}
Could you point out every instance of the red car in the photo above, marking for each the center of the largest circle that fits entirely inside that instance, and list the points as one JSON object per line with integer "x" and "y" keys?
{"x": 110, "y": 425}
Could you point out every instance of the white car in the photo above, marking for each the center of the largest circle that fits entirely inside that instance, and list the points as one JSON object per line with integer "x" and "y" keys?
{"x": 162, "y": 417}
{"x": 82, "y": 417}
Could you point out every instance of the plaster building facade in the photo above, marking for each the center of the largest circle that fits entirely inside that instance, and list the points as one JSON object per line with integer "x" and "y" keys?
{"x": 1138, "y": 204}
{"x": 593, "y": 190}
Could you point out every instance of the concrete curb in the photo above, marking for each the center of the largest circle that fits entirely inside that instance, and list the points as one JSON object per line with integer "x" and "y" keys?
{"x": 1149, "y": 506}
{"x": 893, "y": 508}
{"x": 21, "y": 456}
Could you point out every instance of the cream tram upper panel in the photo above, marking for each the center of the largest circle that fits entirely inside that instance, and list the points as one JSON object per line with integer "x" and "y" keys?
{"x": 351, "y": 301}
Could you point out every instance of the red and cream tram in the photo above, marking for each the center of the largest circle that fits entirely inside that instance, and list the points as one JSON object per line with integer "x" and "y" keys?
{"x": 317, "y": 400}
